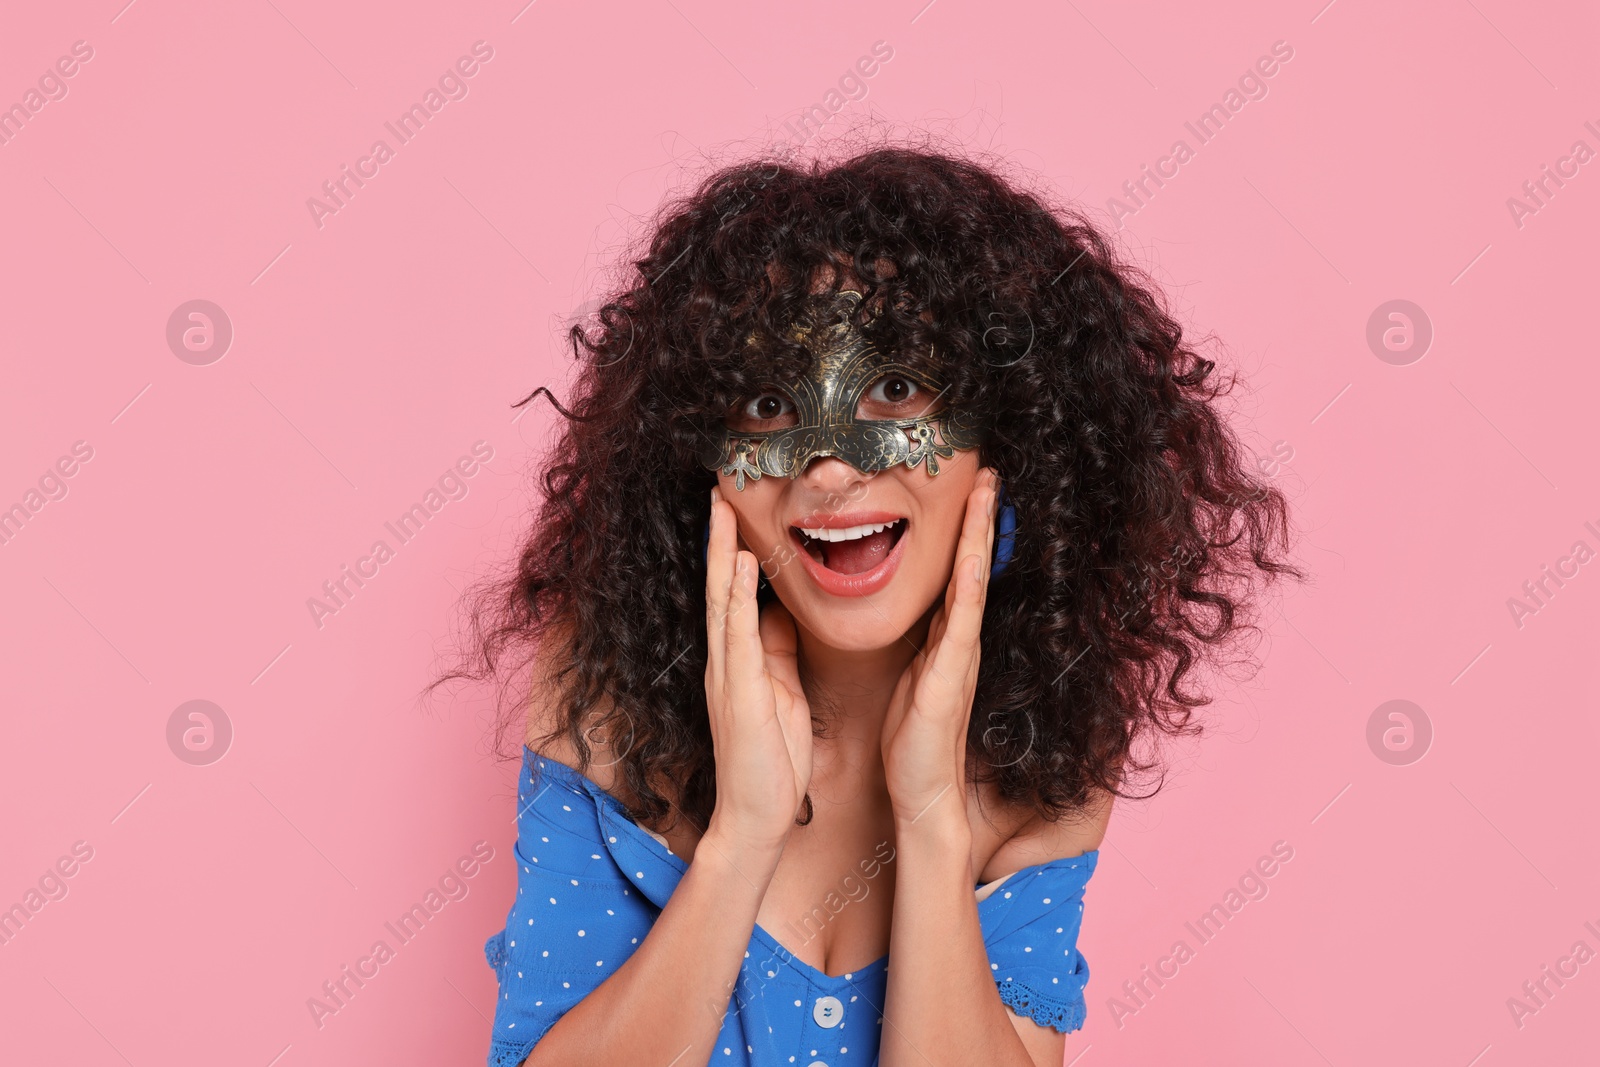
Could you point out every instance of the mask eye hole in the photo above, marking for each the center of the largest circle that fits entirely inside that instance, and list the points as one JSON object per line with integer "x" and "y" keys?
{"x": 896, "y": 396}
{"x": 767, "y": 410}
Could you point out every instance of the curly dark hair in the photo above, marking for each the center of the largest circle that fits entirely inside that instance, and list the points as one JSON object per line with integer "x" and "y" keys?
{"x": 1141, "y": 522}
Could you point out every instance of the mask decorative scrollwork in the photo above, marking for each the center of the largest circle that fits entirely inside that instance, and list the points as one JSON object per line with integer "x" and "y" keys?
{"x": 845, "y": 364}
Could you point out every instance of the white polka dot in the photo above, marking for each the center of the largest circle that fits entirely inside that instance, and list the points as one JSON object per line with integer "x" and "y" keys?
{"x": 574, "y": 881}
{"x": 1027, "y": 948}
{"x": 638, "y": 874}
{"x": 580, "y": 933}
{"x": 613, "y": 840}
{"x": 1046, "y": 899}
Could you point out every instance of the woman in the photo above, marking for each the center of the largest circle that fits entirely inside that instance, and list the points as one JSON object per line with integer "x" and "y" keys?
{"x": 889, "y": 517}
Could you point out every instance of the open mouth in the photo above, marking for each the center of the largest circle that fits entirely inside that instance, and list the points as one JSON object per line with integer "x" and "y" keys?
{"x": 850, "y": 550}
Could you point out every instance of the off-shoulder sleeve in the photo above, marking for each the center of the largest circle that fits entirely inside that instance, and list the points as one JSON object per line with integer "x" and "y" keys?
{"x": 574, "y": 920}
{"x": 1031, "y": 929}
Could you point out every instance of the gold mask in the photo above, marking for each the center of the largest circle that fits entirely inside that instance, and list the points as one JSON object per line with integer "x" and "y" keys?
{"x": 844, "y": 365}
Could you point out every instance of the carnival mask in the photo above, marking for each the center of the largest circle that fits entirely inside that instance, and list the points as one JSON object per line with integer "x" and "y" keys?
{"x": 844, "y": 365}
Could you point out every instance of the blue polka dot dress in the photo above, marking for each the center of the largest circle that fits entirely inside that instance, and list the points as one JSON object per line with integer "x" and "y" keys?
{"x": 590, "y": 882}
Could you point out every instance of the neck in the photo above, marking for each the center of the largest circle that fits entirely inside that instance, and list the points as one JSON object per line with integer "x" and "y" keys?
{"x": 850, "y": 690}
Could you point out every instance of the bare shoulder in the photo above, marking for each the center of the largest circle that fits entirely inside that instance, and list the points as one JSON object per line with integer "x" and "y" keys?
{"x": 1038, "y": 840}
{"x": 548, "y": 732}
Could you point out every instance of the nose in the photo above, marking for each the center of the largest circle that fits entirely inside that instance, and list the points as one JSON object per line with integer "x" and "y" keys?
{"x": 832, "y": 475}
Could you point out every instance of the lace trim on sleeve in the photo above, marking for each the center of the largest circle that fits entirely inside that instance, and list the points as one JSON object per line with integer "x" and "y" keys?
{"x": 494, "y": 950}
{"x": 1042, "y": 1009}
{"x": 509, "y": 1053}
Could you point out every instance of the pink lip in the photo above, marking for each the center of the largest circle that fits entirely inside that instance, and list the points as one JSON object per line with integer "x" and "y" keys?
{"x": 830, "y": 520}
{"x": 852, "y": 585}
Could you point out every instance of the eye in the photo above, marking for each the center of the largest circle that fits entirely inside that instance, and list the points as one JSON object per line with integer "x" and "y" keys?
{"x": 768, "y": 406}
{"x": 894, "y": 396}
{"x": 893, "y": 390}
{"x": 761, "y": 412}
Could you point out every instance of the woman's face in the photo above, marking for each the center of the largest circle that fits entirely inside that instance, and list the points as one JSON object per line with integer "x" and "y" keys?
{"x": 857, "y": 558}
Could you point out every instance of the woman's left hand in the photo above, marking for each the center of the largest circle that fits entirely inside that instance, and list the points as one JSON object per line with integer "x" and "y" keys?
{"x": 925, "y": 731}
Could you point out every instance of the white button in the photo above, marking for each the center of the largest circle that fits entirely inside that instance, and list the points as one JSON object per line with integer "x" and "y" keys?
{"x": 816, "y": 1063}
{"x": 828, "y": 1013}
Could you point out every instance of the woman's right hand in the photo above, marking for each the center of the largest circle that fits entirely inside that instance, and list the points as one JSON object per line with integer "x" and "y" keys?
{"x": 760, "y": 721}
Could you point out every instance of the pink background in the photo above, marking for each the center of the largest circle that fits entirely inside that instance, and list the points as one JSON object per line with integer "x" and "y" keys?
{"x": 371, "y": 353}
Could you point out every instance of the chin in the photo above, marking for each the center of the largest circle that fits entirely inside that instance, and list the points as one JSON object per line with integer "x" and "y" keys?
{"x": 859, "y": 627}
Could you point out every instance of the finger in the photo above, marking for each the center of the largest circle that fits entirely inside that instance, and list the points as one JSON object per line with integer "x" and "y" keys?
{"x": 780, "y": 643}
{"x": 977, "y": 529}
{"x": 947, "y": 650}
{"x": 990, "y": 534}
{"x": 966, "y": 614}
{"x": 956, "y": 655}
{"x": 991, "y": 505}
{"x": 720, "y": 552}
{"x": 994, "y": 510}
{"x": 746, "y": 661}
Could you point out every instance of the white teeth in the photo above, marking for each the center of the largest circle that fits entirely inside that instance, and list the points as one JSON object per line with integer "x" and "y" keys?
{"x": 847, "y": 533}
